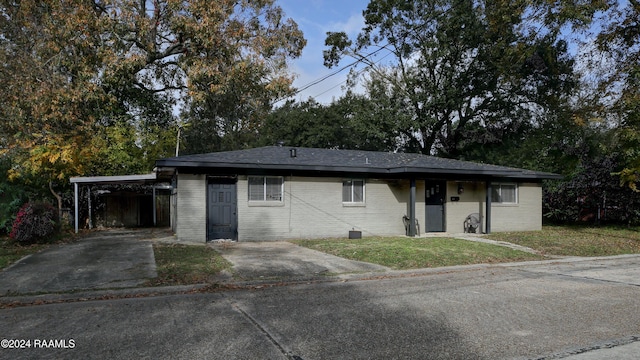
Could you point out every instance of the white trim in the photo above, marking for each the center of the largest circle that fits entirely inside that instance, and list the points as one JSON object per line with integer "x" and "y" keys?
{"x": 264, "y": 201}
{"x": 353, "y": 203}
{"x": 498, "y": 187}
{"x": 112, "y": 179}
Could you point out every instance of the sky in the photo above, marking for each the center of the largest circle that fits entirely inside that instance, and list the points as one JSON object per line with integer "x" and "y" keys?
{"x": 315, "y": 18}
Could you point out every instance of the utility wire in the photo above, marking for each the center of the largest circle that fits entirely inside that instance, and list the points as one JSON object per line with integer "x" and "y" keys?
{"x": 357, "y": 74}
{"x": 318, "y": 81}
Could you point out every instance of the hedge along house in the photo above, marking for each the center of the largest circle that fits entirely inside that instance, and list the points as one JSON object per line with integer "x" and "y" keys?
{"x": 276, "y": 193}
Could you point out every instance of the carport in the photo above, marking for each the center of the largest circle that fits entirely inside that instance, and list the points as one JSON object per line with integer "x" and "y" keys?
{"x": 151, "y": 179}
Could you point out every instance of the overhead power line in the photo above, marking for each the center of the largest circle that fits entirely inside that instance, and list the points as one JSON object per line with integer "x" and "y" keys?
{"x": 336, "y": 72}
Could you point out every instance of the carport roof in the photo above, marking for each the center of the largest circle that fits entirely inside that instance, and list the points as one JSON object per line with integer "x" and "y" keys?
{"x": 122, "y": 179}
{"x": 281, "y": 158}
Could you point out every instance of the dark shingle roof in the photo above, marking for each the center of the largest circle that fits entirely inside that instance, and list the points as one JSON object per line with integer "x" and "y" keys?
{"x": 343, "y": 161}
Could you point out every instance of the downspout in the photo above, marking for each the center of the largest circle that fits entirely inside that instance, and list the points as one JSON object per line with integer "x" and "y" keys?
{"x": 487, "y": 227}
{"x": 412, "y": 208}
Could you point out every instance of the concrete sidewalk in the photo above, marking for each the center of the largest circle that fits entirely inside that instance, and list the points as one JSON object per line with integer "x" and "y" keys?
{"x": 629, "y": 351}
{"x": 280, "y": 260}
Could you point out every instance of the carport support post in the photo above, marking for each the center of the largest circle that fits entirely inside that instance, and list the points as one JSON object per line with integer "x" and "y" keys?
{"x": 154, "y": 204}
{"x": 75, "y": 201}
{"x": 412, "y": 208}
{"x": 89, "y": 206}
{"x": 487, "y": 227}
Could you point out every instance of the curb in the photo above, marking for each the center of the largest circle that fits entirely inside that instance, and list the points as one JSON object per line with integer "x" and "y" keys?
{"x": 254, "y": 284}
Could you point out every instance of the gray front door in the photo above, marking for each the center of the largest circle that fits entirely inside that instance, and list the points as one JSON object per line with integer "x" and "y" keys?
{"x": 435, "y": 194}
{"x": 222, "y": 222}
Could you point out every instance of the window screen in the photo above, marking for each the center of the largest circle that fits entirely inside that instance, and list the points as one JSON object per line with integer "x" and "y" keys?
{"x": 265, "y": 188}
{"x": 353, "y": 191}
{"x": 504, "y": 193}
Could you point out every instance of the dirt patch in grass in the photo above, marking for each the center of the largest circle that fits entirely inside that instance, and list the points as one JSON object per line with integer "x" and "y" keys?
{"x": 412, "y": 253}
{"x": 179, "y": 264}
{"x": 577, "y": 240}
{"x": 11, "y": 252}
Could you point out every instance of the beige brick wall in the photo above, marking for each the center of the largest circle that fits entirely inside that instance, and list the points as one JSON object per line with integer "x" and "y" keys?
{"x": 313, "y": 208}
{"x": 192, "y": 208}
{"x": 526, "y": 215}
{"x": 471, "y": 201}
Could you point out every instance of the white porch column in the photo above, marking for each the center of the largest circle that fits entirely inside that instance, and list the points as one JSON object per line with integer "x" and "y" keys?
{"x": 75, "y": 202}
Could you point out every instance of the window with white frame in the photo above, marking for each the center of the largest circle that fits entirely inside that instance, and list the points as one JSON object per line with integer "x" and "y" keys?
{"x": 265, "y": 188}
{"x": 505, "y": 193}
{"x": 353, "y": 191}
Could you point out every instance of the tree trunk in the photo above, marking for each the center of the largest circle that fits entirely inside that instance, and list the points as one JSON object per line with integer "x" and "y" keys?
{"x": 59, "y": 198}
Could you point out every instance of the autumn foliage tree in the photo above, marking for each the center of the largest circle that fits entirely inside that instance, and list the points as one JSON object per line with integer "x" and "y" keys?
{"x": 78, "y": 75}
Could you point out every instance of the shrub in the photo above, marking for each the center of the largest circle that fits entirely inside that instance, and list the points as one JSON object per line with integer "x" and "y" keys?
{"x": 11, "y": 198}
{"x": 35, "y": 222}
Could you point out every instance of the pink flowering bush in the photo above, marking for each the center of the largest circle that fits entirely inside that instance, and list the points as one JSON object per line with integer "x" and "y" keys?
{"x": 35, "y": 222}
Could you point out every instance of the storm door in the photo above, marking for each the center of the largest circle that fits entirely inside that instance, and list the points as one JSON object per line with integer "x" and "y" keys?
{"x": 222, "y": 221}
{"x": 435, "y": 193}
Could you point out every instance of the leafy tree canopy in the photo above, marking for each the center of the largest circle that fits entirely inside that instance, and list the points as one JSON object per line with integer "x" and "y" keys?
{"x": 620, "y": 41}
{"x": 461, "y": 64}
{"x": 81, "y": 75}
{"x": 351, "y": 122}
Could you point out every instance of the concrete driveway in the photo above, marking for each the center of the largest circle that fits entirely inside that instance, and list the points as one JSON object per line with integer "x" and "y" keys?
{"x": 102, "y": 260}
{"x": 279, "y": 260}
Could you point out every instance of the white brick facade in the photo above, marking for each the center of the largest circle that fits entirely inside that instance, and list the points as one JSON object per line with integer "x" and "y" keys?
{"x": 312, "y": 207}
{"x": 525, "y": 215}
{"x": 191, "y": 208}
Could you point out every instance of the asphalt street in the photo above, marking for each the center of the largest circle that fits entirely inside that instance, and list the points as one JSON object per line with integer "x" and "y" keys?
{"x": 547, "y": 310}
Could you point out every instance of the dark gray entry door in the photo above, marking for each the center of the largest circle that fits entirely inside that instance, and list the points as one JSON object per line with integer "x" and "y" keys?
{"x": 435, "y": 193}
{"x": 222, "y": 222}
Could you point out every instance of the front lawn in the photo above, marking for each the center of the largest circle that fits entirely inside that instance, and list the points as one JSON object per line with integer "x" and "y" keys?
{"x": 577, "y": 240}
{"x": 413, "y": 253}
{"x": 179, "y": 264}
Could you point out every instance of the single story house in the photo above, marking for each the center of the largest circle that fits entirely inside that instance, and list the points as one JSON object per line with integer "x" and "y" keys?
{"x": 277, "y": 192}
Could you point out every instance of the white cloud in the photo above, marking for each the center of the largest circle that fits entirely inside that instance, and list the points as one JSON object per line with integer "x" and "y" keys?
{"x": 352, "y": 26}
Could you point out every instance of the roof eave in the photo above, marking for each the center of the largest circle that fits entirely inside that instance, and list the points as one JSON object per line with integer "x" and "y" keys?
{"x": 513, "y": 174}
{"x": 122, "y": 179}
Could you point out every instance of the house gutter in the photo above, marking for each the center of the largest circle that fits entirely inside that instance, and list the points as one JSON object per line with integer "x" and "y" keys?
{"x": 503, "y": 173}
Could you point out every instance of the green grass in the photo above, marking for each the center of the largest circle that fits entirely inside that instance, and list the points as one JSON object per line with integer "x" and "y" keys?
{"x": 178, "y": 264}
{"x": 412, "y": 253}
{"x": 577, "y": 240}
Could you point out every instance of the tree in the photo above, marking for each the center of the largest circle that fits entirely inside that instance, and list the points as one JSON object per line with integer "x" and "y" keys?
{"x": 350, "y": 122}
{"x": 592, "y": 193}
{"x": 465, "y": 64}
{"x": 620, "y": 41}
{"x": 79, "y": 73}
